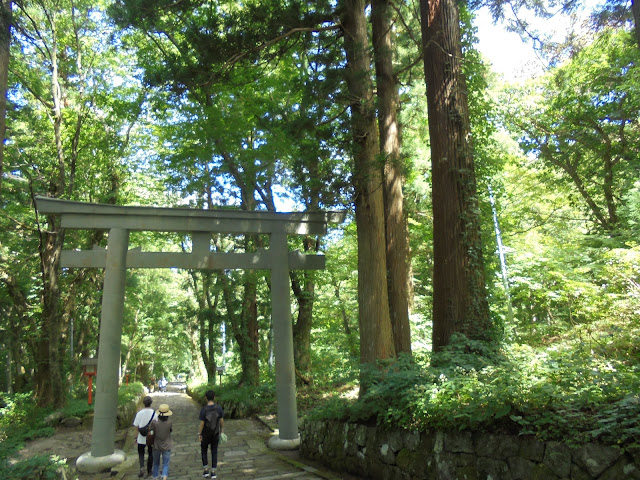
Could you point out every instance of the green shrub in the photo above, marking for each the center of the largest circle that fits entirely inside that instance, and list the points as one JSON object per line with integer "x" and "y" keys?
{"x": 562, "y": 392}
{"x": 238, "y": 401}
{"x": 130, "y": 393}
{"x": 41, "y": 467}
{"x": 77, "y": 407}
{"x": 20, "y": 416}
{"x": 23, "y": 420}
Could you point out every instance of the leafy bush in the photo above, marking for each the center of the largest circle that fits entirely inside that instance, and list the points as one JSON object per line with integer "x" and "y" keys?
{"x": 562, "y": 392}
{"x": 23, "y": 419}
{"x": 77, "y": 407}
{"x": 130, "y": 393}
{"x": 238, "y": 401}
{"x": 20, "y": 416}
{"x": 41, "y": 467}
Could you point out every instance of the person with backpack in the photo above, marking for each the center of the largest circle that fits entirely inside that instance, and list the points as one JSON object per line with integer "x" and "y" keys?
{"x": 211, "y": 426}
{"x": 141, "y": 422}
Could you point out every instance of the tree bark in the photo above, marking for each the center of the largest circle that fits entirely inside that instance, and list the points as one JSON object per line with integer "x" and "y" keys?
{"x": 251, "y": 345}
{"x": 396, "y": 233}
{"x": 5, "y": 43}
{"x": 459, "y": 295}
{"x": 304, "y": 292}
{"x": 49, "y": 381}
{"x": 207, "y": 335}
{"x": 48, "y": 376}
{"x": 244, "y": 325}
{"x": 12, "y": 344}
{"x": 376, "y": 338}
{"x": 635, "y": 10}
{"x": 247, "y": 336}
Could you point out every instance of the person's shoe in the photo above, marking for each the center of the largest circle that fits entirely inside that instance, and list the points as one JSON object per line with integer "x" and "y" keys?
{"x": 141, "y": 474}
{"x": 205, "y": 474}
{"x": 213, "y": 474}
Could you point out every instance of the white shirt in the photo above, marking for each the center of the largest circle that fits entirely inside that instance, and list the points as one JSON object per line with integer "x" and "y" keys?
{"x": 142, "y": 418}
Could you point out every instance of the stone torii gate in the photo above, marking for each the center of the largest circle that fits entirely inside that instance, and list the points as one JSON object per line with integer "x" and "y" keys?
{"x": 200, "y": 224}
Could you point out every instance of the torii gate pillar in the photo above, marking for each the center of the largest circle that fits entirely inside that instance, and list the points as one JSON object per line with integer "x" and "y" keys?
{"x": 283, "y": 344}
{"x": 110, "y": 341}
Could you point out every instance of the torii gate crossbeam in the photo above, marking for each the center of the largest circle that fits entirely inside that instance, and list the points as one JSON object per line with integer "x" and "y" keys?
{"x": 116, "y": 258}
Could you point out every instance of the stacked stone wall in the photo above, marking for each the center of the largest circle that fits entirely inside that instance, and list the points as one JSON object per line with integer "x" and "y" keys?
{"x": 375, "y": 453}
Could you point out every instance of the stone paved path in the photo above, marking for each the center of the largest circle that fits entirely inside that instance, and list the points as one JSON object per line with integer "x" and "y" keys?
{"x": 244, "y": 456}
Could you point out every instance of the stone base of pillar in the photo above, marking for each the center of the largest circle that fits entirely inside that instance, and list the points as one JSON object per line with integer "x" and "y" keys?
{"x": 277, "y": 443}
{"x": 87, "y": 463}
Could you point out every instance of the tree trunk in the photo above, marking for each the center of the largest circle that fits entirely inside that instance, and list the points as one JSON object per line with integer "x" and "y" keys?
{"x": 49, "y": 380}
{"x": 207, "y": 334}
{"x": 246, "y": 333}
{"x": 635, "y": 9}
{"x": 5, "y": 42}
{"x": 305, "y": 295}
{"x": 49, "y": 373}
{"x": 250, "y": 347}
{"x": 10, "y": 338}
{"x": 244, "y": 326}
{"x": 376, "y": 338}
{"x": 459, "y": 296}
{"x": 396, "y": 232}
{"x": 303, "y": 284}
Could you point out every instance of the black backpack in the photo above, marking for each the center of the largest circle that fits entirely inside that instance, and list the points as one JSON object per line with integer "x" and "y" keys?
{"x": 212, "y": 420}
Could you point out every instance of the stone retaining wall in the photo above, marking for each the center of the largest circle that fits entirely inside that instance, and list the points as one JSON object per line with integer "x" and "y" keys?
{"x": 374, "y": 453}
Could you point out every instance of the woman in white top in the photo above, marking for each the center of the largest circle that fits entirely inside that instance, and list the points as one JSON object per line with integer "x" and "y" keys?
{"x": 143, "y": 418}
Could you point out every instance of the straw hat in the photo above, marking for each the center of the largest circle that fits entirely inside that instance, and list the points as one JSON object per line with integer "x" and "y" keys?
{"x": 163, "y": 410}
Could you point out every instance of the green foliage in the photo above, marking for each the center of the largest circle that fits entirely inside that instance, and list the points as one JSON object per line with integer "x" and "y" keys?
{"x": 77, "y": 407}
{"x": 567, "y": 392}
{"x": 580, "y": 122}
{"x": 20, "y": 416}
{"x": 20, "y": 420}
{"x": 130, "y": 393}
{"x": 152, "y": 310}
{"x": 40, "y": 467}
{"x": 238, "y": 401}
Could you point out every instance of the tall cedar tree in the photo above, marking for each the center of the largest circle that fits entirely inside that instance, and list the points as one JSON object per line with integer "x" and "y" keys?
{"x": 395, "y": 223}
{"x": 459, "y": 295}
{"x": 376, "y": 338}
{"x": 5, "y": 42}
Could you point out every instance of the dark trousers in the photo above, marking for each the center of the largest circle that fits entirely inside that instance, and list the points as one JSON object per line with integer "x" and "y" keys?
{"x": 209, "y": 439}
{"x": 141, "y": 448}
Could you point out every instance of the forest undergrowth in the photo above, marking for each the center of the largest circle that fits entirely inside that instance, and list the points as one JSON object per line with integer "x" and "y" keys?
{"x": 580, "y": 387}
{"x": 21, "y": 420}
{"x": 577, "y": 386}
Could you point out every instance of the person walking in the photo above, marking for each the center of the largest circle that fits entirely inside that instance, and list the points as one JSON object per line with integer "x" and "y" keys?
{"x": 163, "y": 384}
{"x": 211, "y": 426}
{"x": 163, "y": 442}
{"x": 142, "y": 421}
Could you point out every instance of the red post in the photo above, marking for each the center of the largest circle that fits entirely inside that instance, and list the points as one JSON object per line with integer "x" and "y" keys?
{"x": 90, "y": 368}
{"x": 90, "y": 375}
